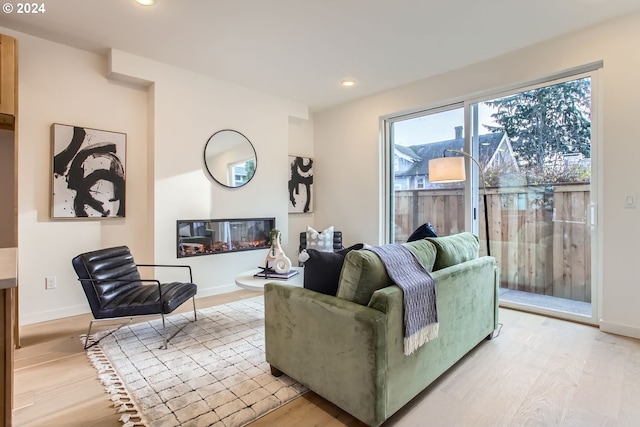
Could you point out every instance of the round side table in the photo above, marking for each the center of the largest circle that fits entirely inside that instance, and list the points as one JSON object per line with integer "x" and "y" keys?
{"x": 247, "y": 281}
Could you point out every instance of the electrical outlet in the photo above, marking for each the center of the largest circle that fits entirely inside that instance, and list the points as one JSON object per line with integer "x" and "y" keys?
{"x": 50, "y": 282}
{"x": 630, "y": 201}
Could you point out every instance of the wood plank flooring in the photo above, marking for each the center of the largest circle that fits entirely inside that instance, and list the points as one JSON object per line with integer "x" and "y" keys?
{"x": 538, "y": 372}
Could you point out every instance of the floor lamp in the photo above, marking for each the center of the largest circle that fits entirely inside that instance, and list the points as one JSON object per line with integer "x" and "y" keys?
{"x": 451, "y": 169}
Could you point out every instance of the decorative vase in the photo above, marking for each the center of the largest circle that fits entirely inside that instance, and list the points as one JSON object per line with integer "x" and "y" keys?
{"x": 276, "y": 259}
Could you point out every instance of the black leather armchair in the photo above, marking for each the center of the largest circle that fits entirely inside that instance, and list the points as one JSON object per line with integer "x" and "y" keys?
{"x": 115, "y": 289}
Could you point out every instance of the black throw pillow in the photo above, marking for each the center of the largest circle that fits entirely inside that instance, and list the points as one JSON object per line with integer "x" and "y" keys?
{"x": 424, "y": 231}
{"x": 322, "y": 269}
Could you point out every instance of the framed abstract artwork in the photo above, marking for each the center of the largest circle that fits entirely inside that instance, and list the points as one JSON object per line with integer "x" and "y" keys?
{"x": 300, "y": 184}
{"x": 88, "y": 172}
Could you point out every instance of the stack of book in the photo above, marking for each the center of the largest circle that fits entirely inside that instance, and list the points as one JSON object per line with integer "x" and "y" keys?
{"x": 272, "y": 274}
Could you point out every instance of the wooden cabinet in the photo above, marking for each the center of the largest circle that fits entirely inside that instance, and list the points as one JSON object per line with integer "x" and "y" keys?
{"x": 8, "y": 283}
{"x": 8, "y": 255}
{"x": 8, "y": 83}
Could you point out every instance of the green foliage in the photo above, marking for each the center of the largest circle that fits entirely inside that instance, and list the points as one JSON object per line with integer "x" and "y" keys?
{"x": 559, "y": 174}
{"x": 250, "y": 168}
{"x": 546, "y": 123}
{"x": 273, "y": 234}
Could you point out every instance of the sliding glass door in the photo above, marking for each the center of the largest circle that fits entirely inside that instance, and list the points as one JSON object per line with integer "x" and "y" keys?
{"x": 534, "y": 150}
{"x": 414, "y": 140}
{"x": 539, "y": 194}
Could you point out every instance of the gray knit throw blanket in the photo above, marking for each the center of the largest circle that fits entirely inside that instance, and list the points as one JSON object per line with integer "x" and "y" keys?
{"x": 419, "y": 288}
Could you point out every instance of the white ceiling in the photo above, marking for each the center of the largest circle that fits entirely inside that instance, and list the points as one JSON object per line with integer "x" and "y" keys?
{"x": 301, "y": 49}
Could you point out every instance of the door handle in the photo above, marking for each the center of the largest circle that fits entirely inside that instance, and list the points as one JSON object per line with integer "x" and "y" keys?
{"x": 593, "y": 212}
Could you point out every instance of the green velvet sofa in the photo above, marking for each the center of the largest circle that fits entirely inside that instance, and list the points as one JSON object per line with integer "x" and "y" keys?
{"x": 348, "y": 348}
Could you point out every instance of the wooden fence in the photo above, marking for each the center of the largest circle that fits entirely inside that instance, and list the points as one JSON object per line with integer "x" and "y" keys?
{"x": 539, "y": 235}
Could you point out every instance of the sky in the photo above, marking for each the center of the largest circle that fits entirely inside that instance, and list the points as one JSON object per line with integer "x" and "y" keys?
{"x": 436, "y": 127}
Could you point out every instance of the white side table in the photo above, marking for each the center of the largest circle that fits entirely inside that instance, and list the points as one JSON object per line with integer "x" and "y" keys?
{"x": 247, "y": 281}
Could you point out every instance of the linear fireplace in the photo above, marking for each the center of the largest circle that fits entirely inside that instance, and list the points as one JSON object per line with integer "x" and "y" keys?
{"x": 217, "y": 236}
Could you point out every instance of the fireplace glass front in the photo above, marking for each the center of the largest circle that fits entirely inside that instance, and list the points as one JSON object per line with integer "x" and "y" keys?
{"x": 217, "y": 236}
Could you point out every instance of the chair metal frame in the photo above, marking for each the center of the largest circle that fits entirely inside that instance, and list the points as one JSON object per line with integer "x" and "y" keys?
{"x": 162, "y": 313}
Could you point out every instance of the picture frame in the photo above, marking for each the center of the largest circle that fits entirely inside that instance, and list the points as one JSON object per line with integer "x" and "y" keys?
{"x": 88, "y": 172}
{"x": 300, "y": 184}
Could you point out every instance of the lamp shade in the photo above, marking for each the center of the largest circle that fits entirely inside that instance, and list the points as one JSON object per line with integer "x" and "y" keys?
{"x": 447, "y": 169}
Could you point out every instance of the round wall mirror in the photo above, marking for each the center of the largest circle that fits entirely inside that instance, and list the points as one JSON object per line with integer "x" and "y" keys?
{"x": 230, "y": 158}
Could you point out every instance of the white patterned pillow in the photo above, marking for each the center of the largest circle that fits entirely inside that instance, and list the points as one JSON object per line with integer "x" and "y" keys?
{"x": 321, "y": 241}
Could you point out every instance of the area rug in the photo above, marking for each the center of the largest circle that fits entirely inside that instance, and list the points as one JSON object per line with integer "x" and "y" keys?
{"x": 214, "y": 372}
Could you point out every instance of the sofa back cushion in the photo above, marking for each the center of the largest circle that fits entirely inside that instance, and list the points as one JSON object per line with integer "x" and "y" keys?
{"x": 455, "y": 249}
{"x": 363, "y": 272}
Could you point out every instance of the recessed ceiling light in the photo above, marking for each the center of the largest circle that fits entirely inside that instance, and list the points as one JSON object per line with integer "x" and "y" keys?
{"x": 348, "y": 83}
{"x": 146, "y": 2}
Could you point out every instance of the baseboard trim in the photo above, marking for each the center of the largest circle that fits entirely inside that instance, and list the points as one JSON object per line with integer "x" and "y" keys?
{"x": 77, "y": 310}
{"x": 225, "y": 289}
{"x": 60, "y": 313}
{"x": 618, "y": 329}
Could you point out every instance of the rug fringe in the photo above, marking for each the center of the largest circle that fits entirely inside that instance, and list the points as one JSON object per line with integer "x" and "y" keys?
{"x": 114, "y": 387}
{"x": 112, "y": 354}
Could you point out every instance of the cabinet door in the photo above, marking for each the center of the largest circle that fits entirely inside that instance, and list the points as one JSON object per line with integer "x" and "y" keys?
{"x": 7, "y": 75}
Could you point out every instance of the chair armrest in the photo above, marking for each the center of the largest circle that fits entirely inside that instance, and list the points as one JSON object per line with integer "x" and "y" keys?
{"x": 170, "y": 265}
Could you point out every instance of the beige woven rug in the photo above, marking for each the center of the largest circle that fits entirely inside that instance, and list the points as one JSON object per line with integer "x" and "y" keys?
{"x": 214, "y": 372}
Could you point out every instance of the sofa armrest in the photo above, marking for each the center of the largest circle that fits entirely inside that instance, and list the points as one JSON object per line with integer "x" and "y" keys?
{"x": 389, "y": 300}
{"x": 466, "y": 297}
{"x": 335, "y": 347}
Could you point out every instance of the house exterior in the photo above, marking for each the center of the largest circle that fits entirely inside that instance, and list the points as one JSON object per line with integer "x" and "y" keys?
{"x": 411, "y": 164}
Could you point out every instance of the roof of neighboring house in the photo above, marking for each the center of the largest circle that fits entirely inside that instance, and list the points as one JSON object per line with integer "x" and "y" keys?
{"x": 488, "y": 145}
{"x": 408, "y": 151}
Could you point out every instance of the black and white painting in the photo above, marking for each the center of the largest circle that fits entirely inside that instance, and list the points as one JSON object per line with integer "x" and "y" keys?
{"x": 88, "y": 173}
{"x": 300, "y": 184}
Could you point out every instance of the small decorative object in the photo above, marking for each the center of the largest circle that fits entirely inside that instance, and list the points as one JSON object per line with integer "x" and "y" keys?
{"x": 276, "y": 260}
{"x": 303, "y": 256}
{"x": 300, "y": 184}
{"x": 88, "y": 173}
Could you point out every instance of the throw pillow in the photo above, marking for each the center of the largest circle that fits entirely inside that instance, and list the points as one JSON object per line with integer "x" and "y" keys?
{"x": 425, "y": 230}
{"x": 322, "y": 269}
{"x": 320, "y": 241}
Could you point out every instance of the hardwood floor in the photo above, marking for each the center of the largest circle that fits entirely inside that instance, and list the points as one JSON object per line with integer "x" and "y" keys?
{"x": 539, "y": 371}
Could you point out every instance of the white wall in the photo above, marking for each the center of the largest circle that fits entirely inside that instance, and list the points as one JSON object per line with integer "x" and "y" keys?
{"x": 353, "y": 131}
{"x": 187, "y": 109}
{"x": 58, "y": 84}
{"x": 168, "y": 114}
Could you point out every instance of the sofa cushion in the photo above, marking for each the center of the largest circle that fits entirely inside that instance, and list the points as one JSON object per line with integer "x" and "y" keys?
{"x": 320, "y": 240}
{"x": 455, "y": 249}
{"x": 363, "y": 272}
{"x": 322, "y": 269}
